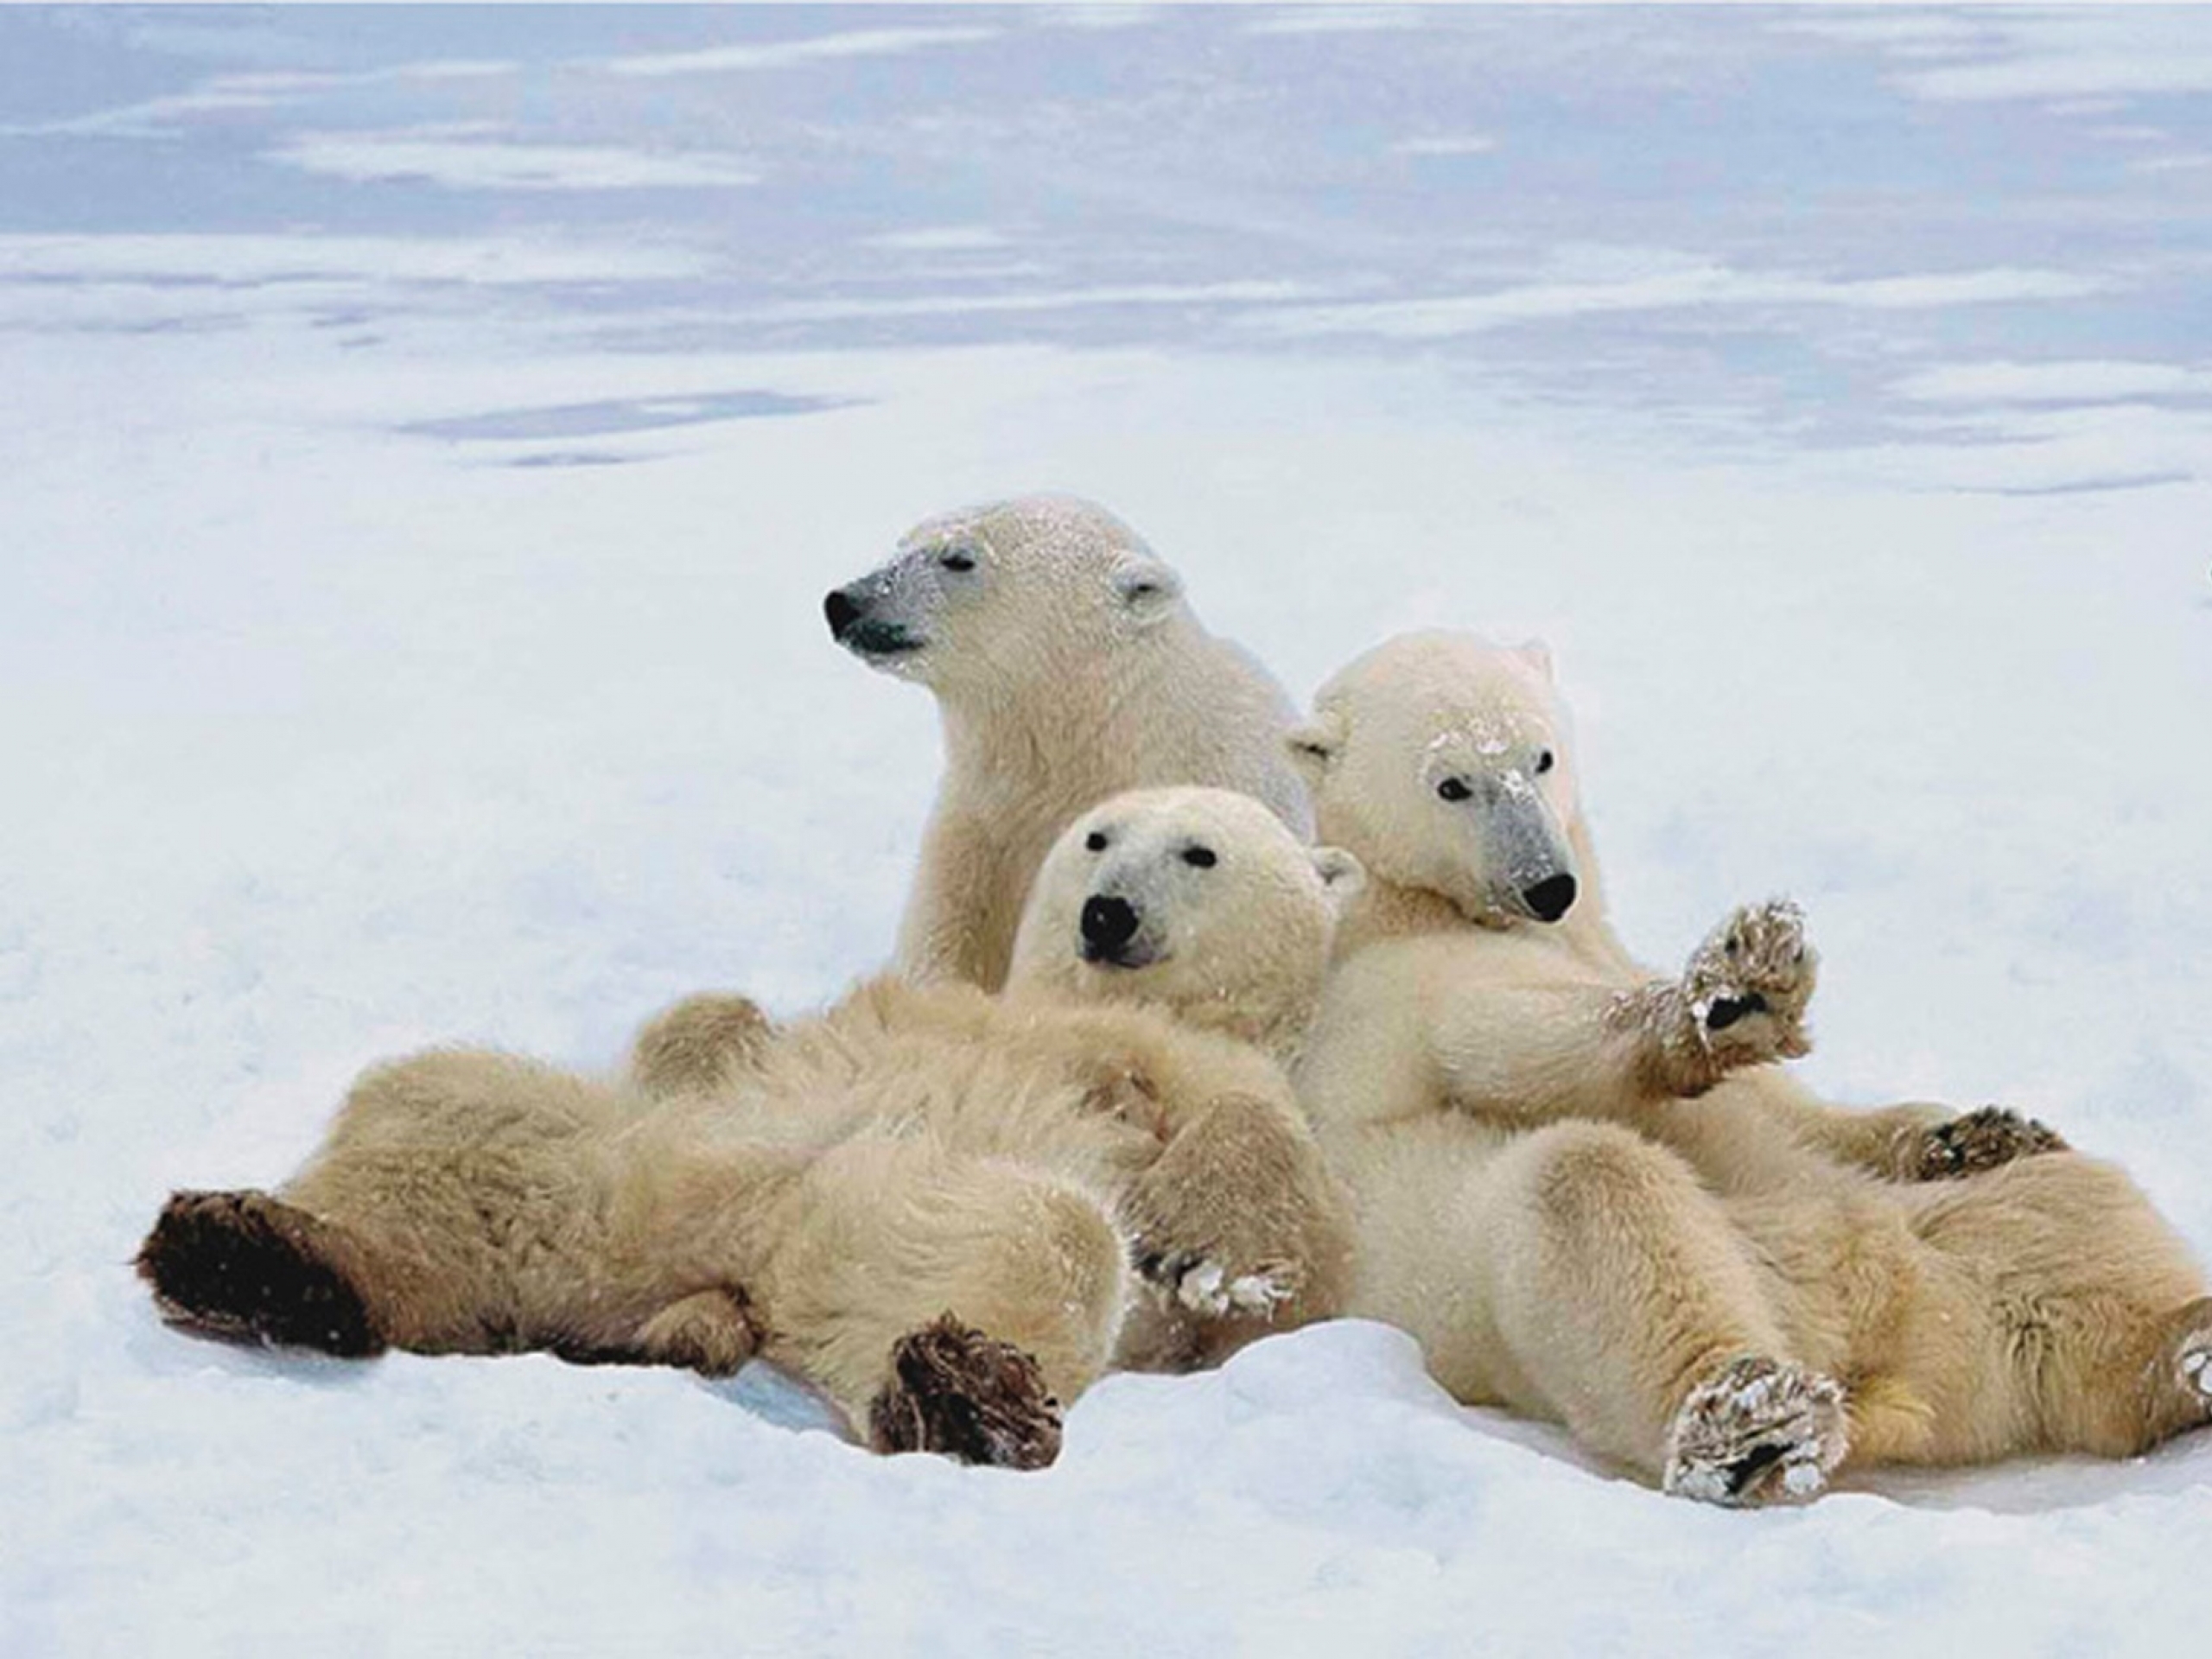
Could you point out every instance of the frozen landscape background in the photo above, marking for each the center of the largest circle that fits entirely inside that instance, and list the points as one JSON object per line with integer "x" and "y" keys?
{"x": 424, "y": 439}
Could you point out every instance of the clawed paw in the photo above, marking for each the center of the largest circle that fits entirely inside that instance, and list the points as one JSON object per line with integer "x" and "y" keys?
{"x": 1760, "y": 1431}
{"x": 1206, "y": 1287}
{"x": 2190, "y": 1347}
{"x": 961, "y": 1393}
{"x": 1981, "y": 1140}
{"x": 247, "y": 1266}
{"x": 1747, "y": 985}
{"x": 712, "y": 1332}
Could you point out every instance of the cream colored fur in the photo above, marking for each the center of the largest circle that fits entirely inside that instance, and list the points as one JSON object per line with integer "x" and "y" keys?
{"x": 1067, "y": 667}
{"x": 1559, "y": 1187}
{"x": 1025, "y": 1163}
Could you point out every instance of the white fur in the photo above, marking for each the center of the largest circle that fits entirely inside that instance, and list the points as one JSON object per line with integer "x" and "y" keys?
{"x": 1067, "y": 667}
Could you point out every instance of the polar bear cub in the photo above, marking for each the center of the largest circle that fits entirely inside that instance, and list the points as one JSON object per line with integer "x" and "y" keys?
{"x": 1067, "y": 667}
{"x": 1718, "y": 1287}
{"x": 1478, "y": 969}
{"x": 935, "y": 1205}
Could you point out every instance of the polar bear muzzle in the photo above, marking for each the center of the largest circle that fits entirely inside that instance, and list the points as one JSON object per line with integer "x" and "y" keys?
{"x": 855, "y": 625}
{"x": 1112, "y": 933}
{"x": 1551, "y": 898}
{"x": 1533, "y": 865}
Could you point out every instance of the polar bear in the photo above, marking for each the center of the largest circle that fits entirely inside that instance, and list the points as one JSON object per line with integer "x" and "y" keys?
{"x": 1067, "y": 667}
{"x": 931, "y": 1203}
{"x": 1717, "y": 1287}
{"x": 1445, "y": 764}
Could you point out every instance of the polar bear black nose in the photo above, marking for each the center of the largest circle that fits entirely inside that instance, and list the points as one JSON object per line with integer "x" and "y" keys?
{"x": 1108, "y": 924}
{"x": 1551, "y": 898}
{"x": 842, "y": 613}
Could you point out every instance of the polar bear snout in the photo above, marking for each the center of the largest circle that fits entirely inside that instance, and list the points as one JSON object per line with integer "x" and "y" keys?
{"x": 855, "y": 625}
{"x": 1551, "y": 898}
{"x": 1110, "y": 927}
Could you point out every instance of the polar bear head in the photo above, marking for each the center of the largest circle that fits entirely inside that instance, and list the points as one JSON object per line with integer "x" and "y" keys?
{"x": 1010, "y": 595}
{"x": 1197, "y": 899}
{"x": 1442, "y": 761}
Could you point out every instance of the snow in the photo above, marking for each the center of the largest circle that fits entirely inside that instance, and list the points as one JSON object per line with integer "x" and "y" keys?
{"x": 410, "y": 632}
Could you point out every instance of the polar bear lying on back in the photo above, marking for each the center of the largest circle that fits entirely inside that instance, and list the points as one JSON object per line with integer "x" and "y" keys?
{"x": 1067, "y": 668}
{"x": 931, "y": 1203}
{"x": 1717, "y": 1287}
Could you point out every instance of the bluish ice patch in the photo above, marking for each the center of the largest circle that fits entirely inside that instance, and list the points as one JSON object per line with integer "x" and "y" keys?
{"x": 609, "y": 415}
{"x": 2092, "y": 485}
{"x": 561, "y": 458}
{"x": 775, "y": 1397}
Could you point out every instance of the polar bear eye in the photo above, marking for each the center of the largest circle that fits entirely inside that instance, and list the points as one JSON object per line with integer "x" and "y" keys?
{"x": 957, "y": 560}
{"x": 1096, "y": 840}
{"x": 1454, "y": 789}
{"x": 1545, "y": 761}
{"x": 1201, "y": 858}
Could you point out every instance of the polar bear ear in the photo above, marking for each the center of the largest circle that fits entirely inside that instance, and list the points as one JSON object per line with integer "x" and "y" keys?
{"x": 1342, "y": 875}
{"x": 1146, "y": 589}
{"x": 1313, "y": 749}
{"x": 1538, "y": 655}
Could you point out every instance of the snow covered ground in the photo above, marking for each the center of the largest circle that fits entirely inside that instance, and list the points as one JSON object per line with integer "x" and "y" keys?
{"x": 424, "y": 439}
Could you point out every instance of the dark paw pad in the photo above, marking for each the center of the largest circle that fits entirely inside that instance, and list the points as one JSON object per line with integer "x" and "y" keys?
{"x": 956, "y": 1391}
{"x": 248, "y": 1267}
{"x": 1981, "y": 1140}
{"x": 1724, "y": 1011}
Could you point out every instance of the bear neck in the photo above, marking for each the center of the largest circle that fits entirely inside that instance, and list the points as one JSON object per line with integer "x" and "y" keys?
{"x": 1384, "y": 910}
{"x": 1086, "y": 716}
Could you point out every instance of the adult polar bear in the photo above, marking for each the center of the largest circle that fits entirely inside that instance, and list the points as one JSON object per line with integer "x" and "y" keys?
{"x": 1735, "y": 1315}
{"x": 927, "y": 1201}
{"x": 1067, "y": 667}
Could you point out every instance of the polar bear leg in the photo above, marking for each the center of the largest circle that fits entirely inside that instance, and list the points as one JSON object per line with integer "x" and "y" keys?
{"x": 1239, "y": 1219}
{"x": 248, "y": 1267}
{"x": 470, "y": 1201}
{"x": 698, "y": 1045}
{"x": 966, "y": 903}
{"x": 1620, "y": 1290}
{"x": 2103, "y": 1326}
{"x": 946, "y": 1302}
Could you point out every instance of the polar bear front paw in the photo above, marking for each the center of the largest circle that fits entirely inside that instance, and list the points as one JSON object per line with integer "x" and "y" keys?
{"x": 1206, "y": 1287}
{"x": 711, "y": 1331}
{"x": 1746, "y": 986}
{"x": 1976, "y": 1141}
{"x": 1760, "y": 1431}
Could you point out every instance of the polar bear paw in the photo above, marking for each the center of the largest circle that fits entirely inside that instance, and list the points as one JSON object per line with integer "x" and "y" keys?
{"x": 1746, "y": 986}
{"x": 1977, "y": 1141}
{"x": 711, "y": 1331}
{"x": 1760, "y": 1431}
{"x": 700, "y": 1044}
{"x": 2190, "y": 1352}
{"x": 247, "y": 1266}
{"x": 1206, "y": 1287}
{"x": 956, "y": 1391}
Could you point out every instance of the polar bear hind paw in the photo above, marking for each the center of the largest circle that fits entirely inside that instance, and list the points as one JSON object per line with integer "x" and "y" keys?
{"x": 1759, "y": 1431}
{"x": 2189, "y": 1350}
{"x": 956, "y": 1391}
{"x": 248, "y": 1267}
{"x": 1976, "y": 1141}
